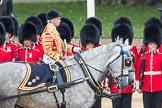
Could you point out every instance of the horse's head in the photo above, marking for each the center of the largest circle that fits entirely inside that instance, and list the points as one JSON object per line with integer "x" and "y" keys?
{"x": 120, "y": 66}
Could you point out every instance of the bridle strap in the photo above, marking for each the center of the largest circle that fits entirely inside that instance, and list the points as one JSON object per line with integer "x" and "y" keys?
{"x": 91, "y": 81}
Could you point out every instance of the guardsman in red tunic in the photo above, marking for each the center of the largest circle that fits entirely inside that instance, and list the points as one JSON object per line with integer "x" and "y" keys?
{"x": 150, "y": 21}
{"x": 27, "y": 35}
{"x": 98, "y": 24}
{"x": 151, "y": 85}
{"x": 3, "y": 53}
{"x": 90, "y": 38}
{"x": 123, "y": 29}
{"x": 52, "y": 43}
{"x": 37, "y": 22}
{"x": 8, "y": 46}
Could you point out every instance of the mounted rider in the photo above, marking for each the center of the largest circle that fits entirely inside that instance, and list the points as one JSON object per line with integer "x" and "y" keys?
{"x": 53, "y": 45}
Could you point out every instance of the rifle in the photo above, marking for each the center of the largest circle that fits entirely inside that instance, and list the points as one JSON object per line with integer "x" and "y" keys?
{"x": 17, "y": 59}
{"x": 142, "y": 68}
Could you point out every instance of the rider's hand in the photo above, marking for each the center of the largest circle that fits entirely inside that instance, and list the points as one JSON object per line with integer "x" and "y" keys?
{"x": 76, "y": 49}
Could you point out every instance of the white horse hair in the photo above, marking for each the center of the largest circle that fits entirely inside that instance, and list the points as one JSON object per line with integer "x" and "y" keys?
{"x": 77, "y": 96}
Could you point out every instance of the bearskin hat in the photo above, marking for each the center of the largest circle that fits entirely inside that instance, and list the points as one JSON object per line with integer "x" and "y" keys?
{"x": 42, "y": 17}
{"x": 16, "y": 25}
{"x": 2, "y": 34}
{"x": 122, "y": 20}
{"x": 8, "y": 24}
{"x": 37, "y": 22}
{"x": 52, "y": 14}
{"x": 65, "y": 32}
{"x": 123, "y": 31}
{"x": 89, "y": 33}
{"x": 152, "y": 33}
{"x": 152, "y": 21}
{"x": 70, "y": 24}
{"x": 27, "y": 31}
{"x": 96, "y": 22}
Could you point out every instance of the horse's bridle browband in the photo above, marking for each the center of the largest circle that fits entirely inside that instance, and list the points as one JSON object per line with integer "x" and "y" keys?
{"x": 91, "y": 81}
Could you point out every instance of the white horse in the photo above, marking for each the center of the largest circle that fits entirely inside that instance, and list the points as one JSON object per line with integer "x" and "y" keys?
{"x": 77, "y": 96}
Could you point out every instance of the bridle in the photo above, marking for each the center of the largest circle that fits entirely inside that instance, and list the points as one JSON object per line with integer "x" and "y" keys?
{"x": 126, "y": 62}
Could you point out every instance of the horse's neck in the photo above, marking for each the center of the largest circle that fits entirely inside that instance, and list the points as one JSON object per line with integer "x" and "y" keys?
{"x": 96, "y": 58}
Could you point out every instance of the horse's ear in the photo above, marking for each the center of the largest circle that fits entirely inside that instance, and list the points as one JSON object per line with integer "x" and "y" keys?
{"x": 126, "y": 42}
{"x": 119, "y": 40}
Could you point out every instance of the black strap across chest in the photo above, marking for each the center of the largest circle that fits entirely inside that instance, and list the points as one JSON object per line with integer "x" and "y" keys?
{"x": 96, "y": 87}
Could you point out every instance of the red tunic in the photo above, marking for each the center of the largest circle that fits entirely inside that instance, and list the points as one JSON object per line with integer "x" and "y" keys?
{"x": 9, "y": 47}
{"x": 3, "y": 56}
{"x": 27, "y": 54}
{"x": 129, "y": 88}
{"x": 152, "y": 79}
{"x": 39, "y": 47}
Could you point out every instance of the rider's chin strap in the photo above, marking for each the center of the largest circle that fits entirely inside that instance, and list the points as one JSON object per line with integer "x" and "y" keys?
{"x": 96, "y": 87}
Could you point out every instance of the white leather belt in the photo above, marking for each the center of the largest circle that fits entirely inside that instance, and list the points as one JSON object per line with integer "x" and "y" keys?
{"x": 152, "y": 73}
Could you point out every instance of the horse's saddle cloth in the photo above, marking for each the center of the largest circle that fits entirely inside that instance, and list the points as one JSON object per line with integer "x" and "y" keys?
{"x": 38, "y": 75}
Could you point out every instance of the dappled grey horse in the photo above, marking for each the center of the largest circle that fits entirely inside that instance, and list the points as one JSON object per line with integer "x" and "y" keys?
{"x": 81, "y": 95}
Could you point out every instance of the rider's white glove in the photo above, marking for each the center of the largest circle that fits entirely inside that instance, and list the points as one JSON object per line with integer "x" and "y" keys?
{"x": 76, "y": 49}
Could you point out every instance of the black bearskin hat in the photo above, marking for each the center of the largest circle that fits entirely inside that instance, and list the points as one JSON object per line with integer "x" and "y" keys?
{"x": 96, "y": 22}
{"x": 52, "y": 14}
{"x": 152, "y": 33}
{"x": 37, "y": 22}
{"x": 16, "y": 25}
{"x": 122, "y": 20}
{"x": 2, "y": 34}
{"x": 8, "y": 24}
{"x": 65, "y": 32}
{"x": 27, "y": 31}
{"x": 123, "y": 31}
{"x": 43, "y": 18}
{"x": 89, "y": 33}
{"x": 152, "y": 21}
{"x": 70, "y": 24}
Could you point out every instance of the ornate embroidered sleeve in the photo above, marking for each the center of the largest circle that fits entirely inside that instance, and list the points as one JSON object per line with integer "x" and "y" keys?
{"x": 48, "y": 42}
